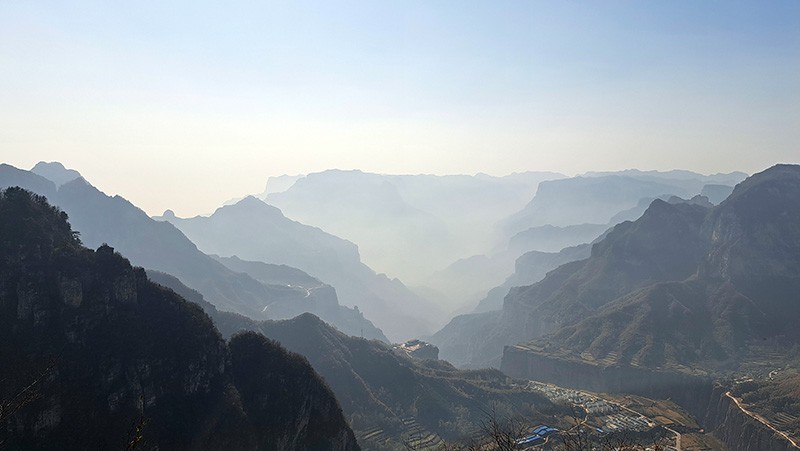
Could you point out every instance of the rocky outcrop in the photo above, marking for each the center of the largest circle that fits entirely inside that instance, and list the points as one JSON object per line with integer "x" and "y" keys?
{"x": 417, "y": 349}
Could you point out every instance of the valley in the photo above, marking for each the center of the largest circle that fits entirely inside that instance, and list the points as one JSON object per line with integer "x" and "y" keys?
{"x": 674, "y": 328}
{"x": 400, "y": 225}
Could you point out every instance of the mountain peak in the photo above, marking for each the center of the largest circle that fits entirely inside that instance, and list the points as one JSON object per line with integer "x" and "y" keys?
{"x": 754, "y": 231}
{"x": 250, "y": 200}
{"x": 55, "y": 172}
{"x": 250, "y": 203}
{"x": 32, "y": 220}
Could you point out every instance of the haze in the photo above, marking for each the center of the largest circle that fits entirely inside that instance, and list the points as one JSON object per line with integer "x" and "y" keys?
{"x": 185, "y": 105}
{"x": 400, "y": 225}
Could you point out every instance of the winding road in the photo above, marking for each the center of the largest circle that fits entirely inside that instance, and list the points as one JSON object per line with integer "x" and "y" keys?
{"x": 761, "y": 420}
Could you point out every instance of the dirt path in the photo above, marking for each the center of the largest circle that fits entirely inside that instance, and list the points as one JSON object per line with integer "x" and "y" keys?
{"x": 677, "y": 438}
{"x": 761, "y": 420}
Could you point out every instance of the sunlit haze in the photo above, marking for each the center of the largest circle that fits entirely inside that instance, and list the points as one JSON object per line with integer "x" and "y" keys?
{"x": 184, "y": 105}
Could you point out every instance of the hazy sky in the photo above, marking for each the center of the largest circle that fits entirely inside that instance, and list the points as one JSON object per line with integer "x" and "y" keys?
{"x": 184, "y": 104}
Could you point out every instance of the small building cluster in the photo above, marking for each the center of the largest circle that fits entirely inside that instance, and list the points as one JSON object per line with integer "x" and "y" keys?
{"x": 417, "y": 349}
{"x": 625, "y": 422}
{"x": 608, "y": 414}
{"x": 599, "y": 407}
{"x": 560, "y": 395}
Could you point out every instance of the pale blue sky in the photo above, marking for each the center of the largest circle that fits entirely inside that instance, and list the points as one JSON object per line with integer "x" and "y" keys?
{"x": 185, "y": 104}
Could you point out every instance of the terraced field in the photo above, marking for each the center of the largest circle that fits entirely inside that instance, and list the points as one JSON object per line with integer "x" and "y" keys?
{"x": 413, "y": 436}
{"x": 418, "y": 438}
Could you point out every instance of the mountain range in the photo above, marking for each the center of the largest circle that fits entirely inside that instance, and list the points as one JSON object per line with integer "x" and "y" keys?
{"x": 686, "y": 285}
{"x": 253, "y": 230}
{"x": 160, "y": 246}
{"x": 226, "y": 330}
{"x": 568, "y": 212}
{"x": 408, "y": 225}
{"x": 596, "y": 197}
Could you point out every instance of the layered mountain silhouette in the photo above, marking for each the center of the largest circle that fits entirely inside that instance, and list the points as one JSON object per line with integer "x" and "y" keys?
{"x": 160, "y": 246}
{"x": 744, "y": 288}
{"x": 95, "y": 356}
{"x": 270, "y": 274}
{"x": 255, "y": 231}
{"x": 568, "y": 212}
{"x": 548, "y": 238}
{"x": 716, "y": 193}
{"x": 55, "y": 172}
{"x": 11, "y": 176}
{"x": 408, "y": 226}
{"x": 467, "y": 280}
{"x": 685, "y": 285}
{"x": 322, "y": 297}
{"x": 530, "y": 268}
{"x": 595, "y": 198}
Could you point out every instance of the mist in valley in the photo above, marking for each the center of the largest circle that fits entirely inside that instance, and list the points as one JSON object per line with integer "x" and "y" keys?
{"x": 386, "y": 226}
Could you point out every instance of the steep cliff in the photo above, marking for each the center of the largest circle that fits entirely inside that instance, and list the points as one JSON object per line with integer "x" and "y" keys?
{"x": 682, "y": 285}
{"x": 96, "y": 356}
{"x": 738, "y": 429}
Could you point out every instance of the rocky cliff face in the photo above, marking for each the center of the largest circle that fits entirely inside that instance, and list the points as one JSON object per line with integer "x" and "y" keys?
{"x": 301, "y": 413}
{"x": 683, "y": 285}
{"x": 594, "y": 200}
{"x": 95, "y": 356}
{"x": 738, "y": 430}
{"x": 663, "y": 245}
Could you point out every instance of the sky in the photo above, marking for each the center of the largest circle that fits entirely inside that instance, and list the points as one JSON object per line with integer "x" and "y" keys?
{"x": 186, "y": 104}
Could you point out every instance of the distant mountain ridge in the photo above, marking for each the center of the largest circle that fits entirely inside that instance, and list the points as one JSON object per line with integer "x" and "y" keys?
{"x": 693, "y": 179}
{"x": 530, "y": 268}
{"x": 569, "y": 212}
{"x": 56, "y": 172}
{"x": 160, "y": 246}
{"x": 323, "y": 298}
{"x": 586, "y": 200}
{"x": 256, "y": 231}
{"x": 408, "y": 225}
{"x": 723, "y": 269}
{"x": 625, "y": 260}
